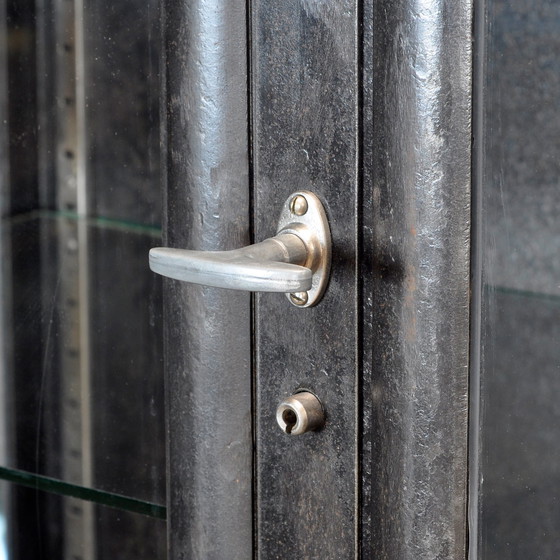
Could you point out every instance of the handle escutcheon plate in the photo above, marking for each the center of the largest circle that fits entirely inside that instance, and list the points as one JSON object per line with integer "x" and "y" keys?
{"x": 303, "y": 215}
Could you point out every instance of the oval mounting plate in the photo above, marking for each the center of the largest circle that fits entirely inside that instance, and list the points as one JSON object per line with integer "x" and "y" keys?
{"x": 307, "y": 219}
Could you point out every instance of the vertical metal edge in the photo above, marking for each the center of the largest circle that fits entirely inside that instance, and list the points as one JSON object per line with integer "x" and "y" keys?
{"x": 84, "y": 321}
{"x": 479, "y": 63}
{"x": 253, "y": 319}
{"x": 164, "y": 228}
{"x": 75, "y": 388}
{"x": 84, "y": 295}
{"x": 66, "y": 104}
{"x": 415, "y": 442}
{"x": 207, "y": 331}
{"x": 82, "y": 199}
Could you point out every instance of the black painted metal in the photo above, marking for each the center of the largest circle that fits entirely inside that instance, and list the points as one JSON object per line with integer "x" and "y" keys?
{"x": 207, "y": 331}
{"x": 305, "y": 91}
{"x": 368, "y": 105}
{"x": 417, "y": 137}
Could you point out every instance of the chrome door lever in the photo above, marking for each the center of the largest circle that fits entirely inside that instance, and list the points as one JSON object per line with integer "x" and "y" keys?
{"x": 295, "y": 261}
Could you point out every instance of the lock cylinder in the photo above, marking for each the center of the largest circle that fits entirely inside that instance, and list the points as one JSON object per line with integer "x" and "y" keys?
{"x": 300, "y": 413}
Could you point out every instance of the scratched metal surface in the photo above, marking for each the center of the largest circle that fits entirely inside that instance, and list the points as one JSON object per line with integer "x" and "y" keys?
{"x": 417, "y": 146}
{"x": 207, "y": 330}
{"x": 305, "y": 127}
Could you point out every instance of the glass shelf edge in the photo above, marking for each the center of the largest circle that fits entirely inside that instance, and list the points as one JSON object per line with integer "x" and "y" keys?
{"x": 54, "y": 486}
{"x": 131, "y": 227}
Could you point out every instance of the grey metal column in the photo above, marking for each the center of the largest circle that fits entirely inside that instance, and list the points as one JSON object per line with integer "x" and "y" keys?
{"x": 417, "y": 156}
{"x": 207, "y": 330}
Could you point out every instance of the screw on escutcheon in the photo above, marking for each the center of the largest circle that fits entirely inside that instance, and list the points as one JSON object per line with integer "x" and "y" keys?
{"x": 299, "y": 298}
{"x": 298, "y": 205}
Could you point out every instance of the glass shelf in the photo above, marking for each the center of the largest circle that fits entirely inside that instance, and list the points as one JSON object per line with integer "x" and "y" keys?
{"x": 81, "y": 376}
{"x": 516, "y": 293}
{"x": 38, "y": 524}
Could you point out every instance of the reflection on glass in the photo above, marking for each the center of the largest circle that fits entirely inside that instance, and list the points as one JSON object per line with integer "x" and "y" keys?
{"x": 82, "y": 383}
{"x": 4, "y": 495}
{"x": 519, "y": 486}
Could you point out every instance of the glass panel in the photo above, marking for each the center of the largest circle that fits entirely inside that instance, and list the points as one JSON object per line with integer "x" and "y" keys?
{"x": 519, "y": 462}
{"x": 122, "y": 95}
{"x": 35, "y": 524}
{"x": 82, "y": 380}
{"x": 81, "y": 384}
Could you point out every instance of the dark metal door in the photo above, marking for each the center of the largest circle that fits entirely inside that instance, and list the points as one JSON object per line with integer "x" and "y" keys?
{"x": 368, "y": 106}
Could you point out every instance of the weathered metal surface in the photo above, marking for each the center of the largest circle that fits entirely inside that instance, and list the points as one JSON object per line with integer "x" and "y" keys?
{"x": 305, "y": 136}
{"x": 417, "y": 147}
{"x": 308, "y": 68}
{"x": 207, "y": 330}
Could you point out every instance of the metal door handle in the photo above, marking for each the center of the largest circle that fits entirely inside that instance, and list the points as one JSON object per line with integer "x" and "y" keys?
{"x": 296, "y": 261}
{"x": 261, "y": 267}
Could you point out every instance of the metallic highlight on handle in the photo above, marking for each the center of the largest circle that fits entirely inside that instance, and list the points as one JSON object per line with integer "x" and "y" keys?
{"x": 271, "y": 266}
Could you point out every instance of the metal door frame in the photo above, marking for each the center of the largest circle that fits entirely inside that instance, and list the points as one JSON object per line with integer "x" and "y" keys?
{"x": 414, "y": 174}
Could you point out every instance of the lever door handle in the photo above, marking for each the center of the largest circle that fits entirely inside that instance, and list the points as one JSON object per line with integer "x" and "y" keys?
{"x": 274, "y": 265}
{"x": 295, "y": 261}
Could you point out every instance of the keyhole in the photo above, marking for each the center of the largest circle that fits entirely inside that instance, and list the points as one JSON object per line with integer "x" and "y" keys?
{"x": 290, "y": 418}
